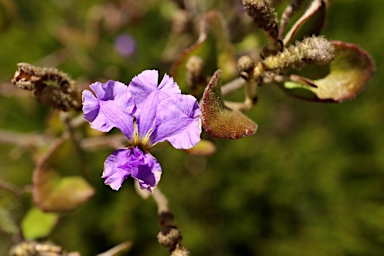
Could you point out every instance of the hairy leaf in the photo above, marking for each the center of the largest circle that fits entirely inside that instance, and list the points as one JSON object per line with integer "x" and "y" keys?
{"x": 350, "y": 71}
{"x": 219, "y": 121}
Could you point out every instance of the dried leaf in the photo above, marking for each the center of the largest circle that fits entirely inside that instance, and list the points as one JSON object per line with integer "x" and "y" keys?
{"x": 219, "y": 121}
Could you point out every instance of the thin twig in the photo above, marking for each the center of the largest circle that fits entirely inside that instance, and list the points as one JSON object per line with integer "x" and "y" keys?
{"x": 110, "y": 141}
{"x": 11, "y": 188}
{"x": 24, "y": 140}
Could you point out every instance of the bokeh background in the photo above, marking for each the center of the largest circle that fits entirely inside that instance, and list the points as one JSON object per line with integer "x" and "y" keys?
{"x": 309, "y": 182}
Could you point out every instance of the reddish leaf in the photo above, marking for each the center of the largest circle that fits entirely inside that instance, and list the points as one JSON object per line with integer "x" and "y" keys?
{"x": 350, "y": 71}
{"x": 219, "y": 121}
{"x": 311, "y": 22}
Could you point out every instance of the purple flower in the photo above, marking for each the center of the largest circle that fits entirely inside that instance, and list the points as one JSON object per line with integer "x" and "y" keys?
{"x": 146, "y": 113}
{"x": 125, "y": 45}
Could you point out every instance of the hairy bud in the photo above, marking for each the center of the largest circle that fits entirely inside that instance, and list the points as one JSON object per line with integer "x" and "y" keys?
{"x": 311, "y": 50}
{"x": 246, "y": 65}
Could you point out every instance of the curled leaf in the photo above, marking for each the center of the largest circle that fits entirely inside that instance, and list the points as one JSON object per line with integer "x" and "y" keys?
{"x": 219, "y": 121}
{"x": 350, "y": 71}
{"x": 311, "y": 22}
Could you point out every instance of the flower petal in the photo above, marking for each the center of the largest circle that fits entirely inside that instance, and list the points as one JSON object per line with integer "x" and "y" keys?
{"x": 146, "y": 82}
{"x": 112, "y": 107}
{"x": 178, "y": 122}
{"x": 132, "y": 161}
{"x": 146, "y": 118}
{"x": 148, "y": 174}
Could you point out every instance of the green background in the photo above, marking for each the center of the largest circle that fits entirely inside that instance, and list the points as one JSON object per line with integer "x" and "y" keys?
{"x": 309, "y": 182}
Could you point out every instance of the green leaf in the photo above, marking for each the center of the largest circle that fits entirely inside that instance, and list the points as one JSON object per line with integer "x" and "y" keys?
{"x": 219, "y": 121}
{"x": 213, "y": 47}
{"x": 350, "y": 71}
{"x": 38, "y": 224}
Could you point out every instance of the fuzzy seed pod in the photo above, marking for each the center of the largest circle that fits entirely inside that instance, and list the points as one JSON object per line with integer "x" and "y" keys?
{"x": 50, "y": 86}
{"x": 311, "y": 50}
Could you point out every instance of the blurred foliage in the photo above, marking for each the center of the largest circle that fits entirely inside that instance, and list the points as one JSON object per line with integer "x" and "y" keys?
{"x": 309, "y": 182}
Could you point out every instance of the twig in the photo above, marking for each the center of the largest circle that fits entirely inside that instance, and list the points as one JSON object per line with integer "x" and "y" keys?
{"x": 123, "y": 247}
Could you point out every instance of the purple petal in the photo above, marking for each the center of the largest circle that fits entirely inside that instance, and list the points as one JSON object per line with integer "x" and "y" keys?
{"x": 178, "y": 122}
{"x": 146, "y": 119}
{"x": 111, "y": 107}
{"x": 132, "y": 161}
{"x": 149, "y": 173}
{"x": 146, "y": 83}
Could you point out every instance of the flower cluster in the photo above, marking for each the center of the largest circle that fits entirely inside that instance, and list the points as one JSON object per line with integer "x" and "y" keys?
{"x": 146, "y": 113}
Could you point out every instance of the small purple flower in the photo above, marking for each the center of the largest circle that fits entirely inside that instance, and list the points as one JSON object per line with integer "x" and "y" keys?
{"x": 125, "y": 45}
{"x": 146, "y": 113}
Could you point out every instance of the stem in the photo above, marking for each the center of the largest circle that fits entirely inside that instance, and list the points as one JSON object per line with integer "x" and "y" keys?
{"x": 169, "y": 235}
{"x": 161, "y": 200}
